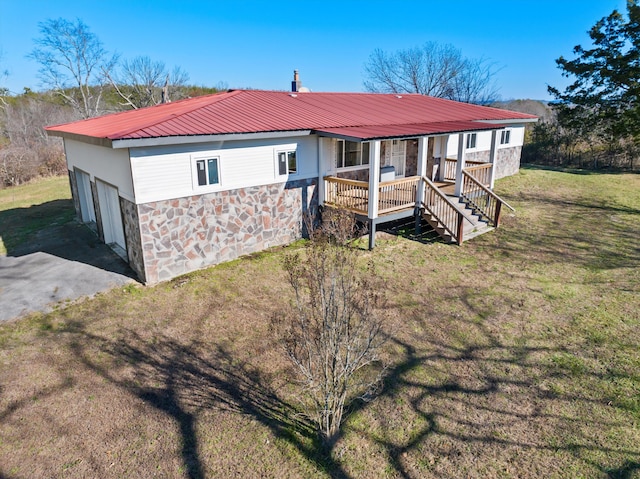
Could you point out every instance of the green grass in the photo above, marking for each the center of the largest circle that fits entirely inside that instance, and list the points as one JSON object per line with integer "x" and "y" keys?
{"x": 514, "y": 355}
{"x": 27, "y": 209}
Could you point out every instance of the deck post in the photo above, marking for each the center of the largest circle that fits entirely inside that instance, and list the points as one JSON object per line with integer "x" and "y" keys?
{"x": 322, "y": 184}
{"x": 374, "y": 189}
{"x": 460, "y": 163}
{"x": 444, "y": 142}
{"x": 374, "y": 179}
{"x": 423, "y": 151}
{"x": 492, "y": 158}
{"x": 372, "y": 234}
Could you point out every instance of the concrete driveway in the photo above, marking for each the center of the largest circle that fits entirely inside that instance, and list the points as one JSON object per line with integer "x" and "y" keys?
{"x": 61, "y": 263}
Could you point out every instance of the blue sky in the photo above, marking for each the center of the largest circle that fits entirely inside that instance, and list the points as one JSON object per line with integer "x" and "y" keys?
{"x": 258, "y": 44}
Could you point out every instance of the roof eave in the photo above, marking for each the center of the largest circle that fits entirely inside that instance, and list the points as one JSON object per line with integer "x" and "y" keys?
{"x": 92, "y": 140}
{"x": 510, "y": 121}
{"x": 190, "y": 139}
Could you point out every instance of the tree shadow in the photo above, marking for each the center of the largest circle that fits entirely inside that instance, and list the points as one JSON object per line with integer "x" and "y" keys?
{"x": 439, "y": 377}
{"x": 184, "y": 380}
{"x": 51, "y": 228}
{"x": 580, "y": 171}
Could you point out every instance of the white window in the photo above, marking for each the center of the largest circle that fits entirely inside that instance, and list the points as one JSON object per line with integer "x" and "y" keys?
{"x": 505, "y": 137}
{"x": 287, "y": 163}
{"x": 208, "y": 172}
{"x": 471, "y": 140}
{"x": 351, "y": 153}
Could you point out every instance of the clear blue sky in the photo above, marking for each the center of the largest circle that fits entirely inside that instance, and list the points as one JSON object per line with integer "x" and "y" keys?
{"x": 258, "y": 44}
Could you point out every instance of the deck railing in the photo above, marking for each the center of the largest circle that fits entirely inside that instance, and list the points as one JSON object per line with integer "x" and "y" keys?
{"x": 353, "y": 195}
{"x": 482, "y": 199}
{"x": 450, "y": 169}
{"x": 450, "y": 165}
{"x": 397, "y": 194}
{"x": 436, "y": 203}
{"x": 481, "y": 172}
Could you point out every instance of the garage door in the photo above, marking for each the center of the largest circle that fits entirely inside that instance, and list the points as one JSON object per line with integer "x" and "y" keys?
{"x": 110, "y": 215}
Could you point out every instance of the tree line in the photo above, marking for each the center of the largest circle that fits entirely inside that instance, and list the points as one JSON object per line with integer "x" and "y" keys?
{"x": 81, "y": 79}
{"x": 596, "y": 122}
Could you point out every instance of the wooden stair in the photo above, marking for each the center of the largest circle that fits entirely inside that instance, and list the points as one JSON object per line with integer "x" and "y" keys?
{"x": 474, "y": 224}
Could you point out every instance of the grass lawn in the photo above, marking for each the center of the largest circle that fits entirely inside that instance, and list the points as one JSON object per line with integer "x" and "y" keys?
{"x": 515, "y": 355}
{"x": 29, "y": 208}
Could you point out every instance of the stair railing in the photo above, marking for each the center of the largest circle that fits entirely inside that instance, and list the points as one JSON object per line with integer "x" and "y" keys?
{"x": 443, "y": 209}
{"x": 482, "y": 199}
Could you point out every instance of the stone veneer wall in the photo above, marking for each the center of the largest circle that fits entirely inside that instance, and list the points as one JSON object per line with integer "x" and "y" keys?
{"x": 182, "y": 235}
{"x": 131, "y": 224}
{"x": 411, "y": 161}
{"x": 507, "y": 161}
{"x": 358, "y": 175}
{"x": 483, "y": 156}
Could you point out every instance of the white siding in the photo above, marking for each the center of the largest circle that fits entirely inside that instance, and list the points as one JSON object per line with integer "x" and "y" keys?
{"x": 111, "y": 166}
{"x": 516, "y": 137}
{"x": 483, "y": 141}
{"x": 166, "y": 172}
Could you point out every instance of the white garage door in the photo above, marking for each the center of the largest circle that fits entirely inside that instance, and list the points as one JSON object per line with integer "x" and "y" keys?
{"x": 110, "y": 214}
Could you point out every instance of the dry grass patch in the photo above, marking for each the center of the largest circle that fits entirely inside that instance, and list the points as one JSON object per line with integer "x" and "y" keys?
{"x": 515, "y": 355}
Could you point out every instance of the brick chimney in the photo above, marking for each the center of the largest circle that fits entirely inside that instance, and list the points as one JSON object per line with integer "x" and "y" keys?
{"x": 296, "y": 84}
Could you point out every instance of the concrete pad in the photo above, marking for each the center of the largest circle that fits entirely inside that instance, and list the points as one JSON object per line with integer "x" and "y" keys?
{"x": 68, "y": 263}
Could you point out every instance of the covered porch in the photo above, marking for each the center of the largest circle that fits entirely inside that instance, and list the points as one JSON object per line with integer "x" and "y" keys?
{"x": 453, "y": 195}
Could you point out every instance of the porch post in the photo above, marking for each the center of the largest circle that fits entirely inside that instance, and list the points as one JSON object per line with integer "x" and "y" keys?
{"x": 423, "y": 151}
{"x": 492, "y": 157}
{"x": 460, "y": 163}
{"x": 374, "y": 190}
{"x": 321, "y": 171}
{"x": 444, "y": 143}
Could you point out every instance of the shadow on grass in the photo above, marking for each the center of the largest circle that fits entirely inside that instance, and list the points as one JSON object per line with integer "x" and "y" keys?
{"x": 50, "y": 228}
{"x": 467, "y": 392}
{"x": 579, "y": 171}
{"x": 183, "y": 380}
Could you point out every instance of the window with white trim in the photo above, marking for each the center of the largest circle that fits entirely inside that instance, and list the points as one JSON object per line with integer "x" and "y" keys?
{"x": 208, "y": 171}
{"x": 471, "y": 140}
{"x": 505, "y": 137}
{"x": 287, "y": 163}
{"x": 351, "y": 153}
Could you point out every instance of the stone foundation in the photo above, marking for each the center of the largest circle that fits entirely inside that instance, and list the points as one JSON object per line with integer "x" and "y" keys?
{"x": 507, "y": 161}
{"x": 130, "y": 222}
{"x": 358, "y": 175}
{"x": 182, "y": 235}
{"x": 411, "y": 162}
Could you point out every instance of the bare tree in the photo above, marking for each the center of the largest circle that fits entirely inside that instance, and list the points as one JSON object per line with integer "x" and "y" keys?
{"x": 72, "y": 63}
{"x": 142, "y": 82}
{"x": 432, "y": 69}
{"x": 333, "y": 331}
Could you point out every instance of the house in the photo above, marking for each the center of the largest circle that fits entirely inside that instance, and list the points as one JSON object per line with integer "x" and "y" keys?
{"x": 180, "y": 186}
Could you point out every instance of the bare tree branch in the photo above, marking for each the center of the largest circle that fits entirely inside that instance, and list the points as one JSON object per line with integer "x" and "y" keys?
{"x": 72, "y": 62}
{"x": 139, "y": 82}
{"x": 332, "y": 332}
{"x": 434, "y": 70}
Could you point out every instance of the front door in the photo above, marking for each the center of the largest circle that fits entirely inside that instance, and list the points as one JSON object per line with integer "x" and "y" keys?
{"x": 398, "y": 156}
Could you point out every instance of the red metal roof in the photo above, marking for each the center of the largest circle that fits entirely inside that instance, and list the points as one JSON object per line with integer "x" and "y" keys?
{"x": 379, "y": 132}
{"x": 251, "y": 111}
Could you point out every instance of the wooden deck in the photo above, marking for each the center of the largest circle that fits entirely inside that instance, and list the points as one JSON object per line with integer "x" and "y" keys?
{"x": 474, "y": 211}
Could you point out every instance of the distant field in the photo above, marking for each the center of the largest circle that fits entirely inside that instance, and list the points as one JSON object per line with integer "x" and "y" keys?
{"x": 514, "y": 355}
{"x": 28, "y": 208}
